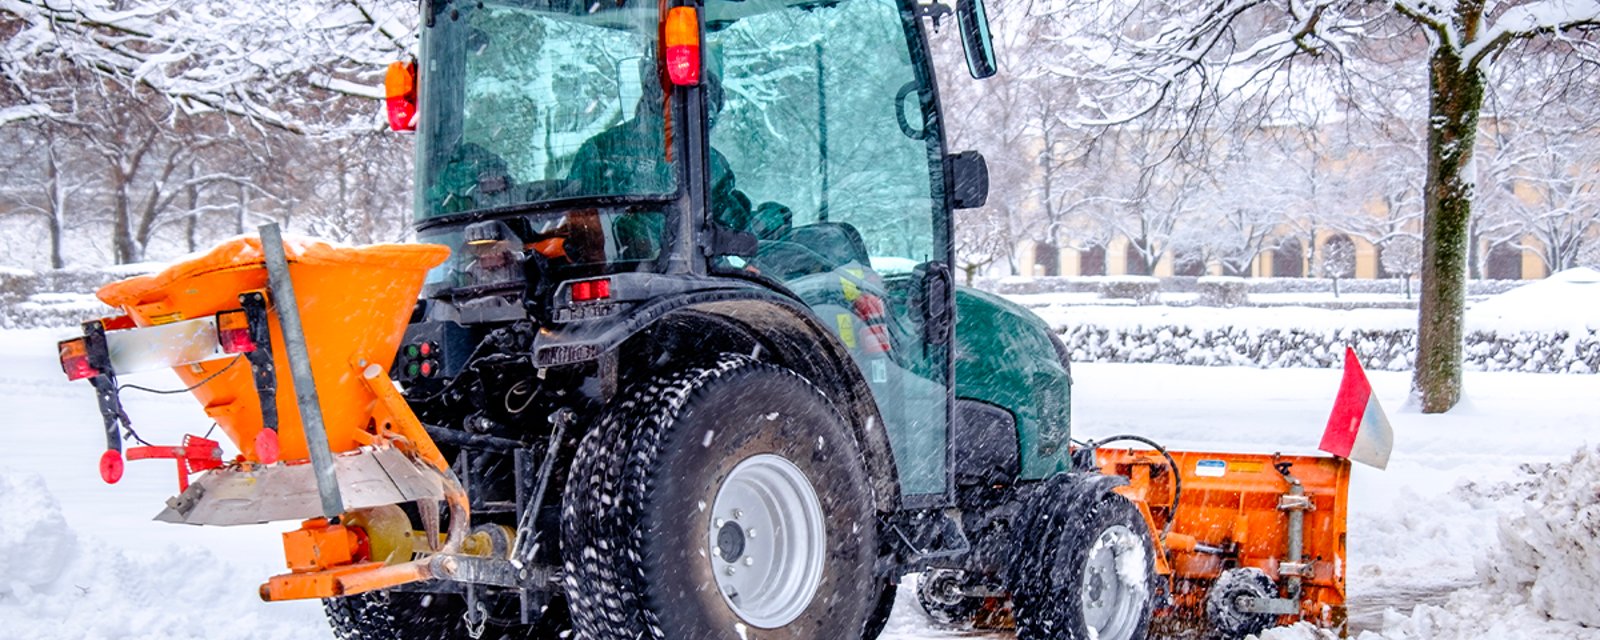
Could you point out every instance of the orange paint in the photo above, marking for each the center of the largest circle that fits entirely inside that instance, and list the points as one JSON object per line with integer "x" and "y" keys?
{"x": 1230, "y": 501}
{"x": 355, "y": 304}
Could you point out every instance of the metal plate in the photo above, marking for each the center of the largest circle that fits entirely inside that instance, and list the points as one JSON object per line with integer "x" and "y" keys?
{"x": 367, "y": 478}
{"x": 164, "y": 346}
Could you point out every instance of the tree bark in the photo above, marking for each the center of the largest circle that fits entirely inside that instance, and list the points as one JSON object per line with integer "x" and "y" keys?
{"x": 124, "y": 249}
{"x": 58, "y": 204}
{"x": 1455, "y": 99}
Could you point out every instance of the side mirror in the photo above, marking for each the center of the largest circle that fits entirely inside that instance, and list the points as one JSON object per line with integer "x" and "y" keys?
{"x": 973, "y": 22}
{"x": 969, "y": 179}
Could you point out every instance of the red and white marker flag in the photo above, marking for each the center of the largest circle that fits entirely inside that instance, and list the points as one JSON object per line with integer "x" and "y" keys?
{"x": 1357, "y": 429}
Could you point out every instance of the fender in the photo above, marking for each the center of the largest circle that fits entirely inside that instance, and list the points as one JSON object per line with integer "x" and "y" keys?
{"x": 744, "y": 312}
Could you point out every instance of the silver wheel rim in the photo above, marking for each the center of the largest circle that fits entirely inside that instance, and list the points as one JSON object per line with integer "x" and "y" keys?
{"x": 1114, "y": 584}
{"x": 767, "y": 542}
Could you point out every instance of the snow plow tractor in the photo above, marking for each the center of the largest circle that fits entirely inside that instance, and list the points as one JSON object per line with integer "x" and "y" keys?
{"x": 679, "y": 355}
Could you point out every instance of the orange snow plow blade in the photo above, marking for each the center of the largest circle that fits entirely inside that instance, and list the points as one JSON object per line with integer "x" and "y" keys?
{"x": 1231, "y": 553}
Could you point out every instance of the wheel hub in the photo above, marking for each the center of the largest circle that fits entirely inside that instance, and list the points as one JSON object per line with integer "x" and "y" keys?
{"x": 1112, "y": 602}
{"x": 730, "y": 542}
{"x": 767, "y": 541}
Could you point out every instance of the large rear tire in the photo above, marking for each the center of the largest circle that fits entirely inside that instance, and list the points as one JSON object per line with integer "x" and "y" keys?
{"x": 729, "y": 501}
{"x": 1091, "y": 574}
{"x": 385, "y": 615}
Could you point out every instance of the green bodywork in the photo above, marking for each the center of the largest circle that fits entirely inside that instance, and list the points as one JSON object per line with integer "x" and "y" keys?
{"x": 1005, "y": 357}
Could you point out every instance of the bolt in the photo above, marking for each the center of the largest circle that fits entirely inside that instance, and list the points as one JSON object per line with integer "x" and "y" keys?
{"x": 731, "y": 570}
{"x": 738, "y": 513}
{"x": 719, "y": 522}
{"x": 749, "y": 561}
{"x": 751, "y": 532}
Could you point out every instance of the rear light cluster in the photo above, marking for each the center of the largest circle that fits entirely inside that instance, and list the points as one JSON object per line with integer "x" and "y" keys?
{"x": 420, "y": 360}
{"x": 75, "y": 359}
{"x": 591, "y": 290}
{"x": 233, "y": 332}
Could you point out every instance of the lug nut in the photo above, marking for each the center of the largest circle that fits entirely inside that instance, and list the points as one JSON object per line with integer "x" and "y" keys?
{"x": 731, "y": 571}
{"x": 749, "y": 561}
{"x": 738, "y": 513}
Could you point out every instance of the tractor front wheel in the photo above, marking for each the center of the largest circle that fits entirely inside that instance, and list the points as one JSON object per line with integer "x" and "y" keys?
{"x": 728, "y": 501}
{"x": 1091, "y": 573}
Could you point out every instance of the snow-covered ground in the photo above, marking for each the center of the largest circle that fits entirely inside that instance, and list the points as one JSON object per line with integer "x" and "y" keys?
{"x": 1460, "y": 539}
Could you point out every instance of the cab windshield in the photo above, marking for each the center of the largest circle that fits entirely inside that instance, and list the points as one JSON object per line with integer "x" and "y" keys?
{"x": 527, "y": 102}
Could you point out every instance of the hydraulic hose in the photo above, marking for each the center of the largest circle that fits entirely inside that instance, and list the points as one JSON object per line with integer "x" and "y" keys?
{"x": 1177, "y": 477}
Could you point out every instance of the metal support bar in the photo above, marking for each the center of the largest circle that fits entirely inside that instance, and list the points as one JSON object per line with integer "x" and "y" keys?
{"x": 1295, "y": 504}
{"x": 523, "y": 550}
{"x": 261, "y": 365}
{"x": 105, "y": 384}
{"x": 1271, "y": 606}
{"x": 305, "y": 389}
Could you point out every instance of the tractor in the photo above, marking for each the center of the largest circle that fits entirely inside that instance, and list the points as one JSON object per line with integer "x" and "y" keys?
{"x": 693, "y": 366}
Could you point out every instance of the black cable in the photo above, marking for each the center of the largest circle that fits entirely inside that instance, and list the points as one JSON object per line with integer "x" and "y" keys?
{"x": 127, "y": 426}
{"x": 196, "y": 385}
{"x": 1177, "y": 477}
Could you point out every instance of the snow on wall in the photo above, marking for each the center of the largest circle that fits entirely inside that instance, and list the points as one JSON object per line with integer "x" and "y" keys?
{"x": 1274, "y": 347}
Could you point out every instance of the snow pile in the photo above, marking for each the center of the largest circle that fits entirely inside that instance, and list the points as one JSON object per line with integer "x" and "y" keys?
{"x": 1568, "y": 300}
{"x": 55, "y": 583}
{"x": 1550, "y": 551}
{"x": 35, "y": 543}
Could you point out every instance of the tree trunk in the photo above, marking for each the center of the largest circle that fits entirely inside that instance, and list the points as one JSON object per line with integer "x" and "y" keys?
{"x": 1455, "y": 99}
{"x": 191, "y": 231}
{"x": 58, "y": 204}
{"x": 123, "y": 247}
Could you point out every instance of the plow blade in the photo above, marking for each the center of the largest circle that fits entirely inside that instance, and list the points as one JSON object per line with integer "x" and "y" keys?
{"x": 1247, "y": 541}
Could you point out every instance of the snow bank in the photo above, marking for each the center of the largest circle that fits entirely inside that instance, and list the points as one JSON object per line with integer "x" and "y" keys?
{"x": 56, "y": 583}
{"x": 1568, "y": 300}
{"x": 35, "y": 543}
{"x": 1550, "y": 551}
{"x": 1537, "y": 582}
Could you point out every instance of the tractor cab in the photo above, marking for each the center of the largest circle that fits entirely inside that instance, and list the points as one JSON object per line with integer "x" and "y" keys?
{"x": 581, "y": 157}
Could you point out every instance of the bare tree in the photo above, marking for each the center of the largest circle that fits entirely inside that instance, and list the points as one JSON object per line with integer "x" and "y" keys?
{"x": 1178, "y": 60}
{"x": 252, "y": 59}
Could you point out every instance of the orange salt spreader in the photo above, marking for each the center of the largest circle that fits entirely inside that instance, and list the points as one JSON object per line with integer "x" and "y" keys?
{"x": 325, "y": 436}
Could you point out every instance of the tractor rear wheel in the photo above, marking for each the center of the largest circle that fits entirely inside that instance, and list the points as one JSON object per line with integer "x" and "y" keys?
{"x": 729, "y": 501}
{"x": 410, "y": 615}
{"x": 1091, "y": 573}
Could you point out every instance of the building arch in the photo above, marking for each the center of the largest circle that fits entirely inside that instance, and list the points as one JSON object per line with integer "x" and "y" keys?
{"x": 1092, "y": 261}
{"x": 1338, "y": 256}
{"x": 1289, "y": 258}
{"x": 1504, "y": 262}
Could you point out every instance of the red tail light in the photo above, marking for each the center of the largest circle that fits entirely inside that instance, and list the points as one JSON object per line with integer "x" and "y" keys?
{"x": 681, "y": 38}
{"x": 75, "y": 359}
{"x": 588, "y": 290}
{"x": 233, "y": 332}
{"x": 400, "y": 89}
